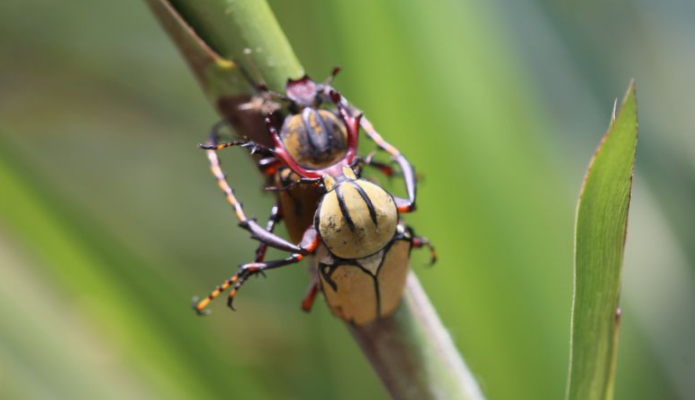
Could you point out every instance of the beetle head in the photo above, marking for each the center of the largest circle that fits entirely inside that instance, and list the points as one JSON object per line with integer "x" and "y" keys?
{"x": 302, "y": 91}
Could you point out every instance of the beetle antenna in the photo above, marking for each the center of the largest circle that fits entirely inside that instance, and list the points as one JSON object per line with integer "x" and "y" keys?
{"x": 332, "y": 76}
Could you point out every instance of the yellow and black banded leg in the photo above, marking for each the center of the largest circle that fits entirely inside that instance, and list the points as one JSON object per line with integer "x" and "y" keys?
{"x": 253, "y": 147}
{"x": 249, "y": 224}
{"x": 213, "y": 142}
{"x": 199, "y": 305}
{"x": 407, "y": 170}
{"x": 343, "y": 105}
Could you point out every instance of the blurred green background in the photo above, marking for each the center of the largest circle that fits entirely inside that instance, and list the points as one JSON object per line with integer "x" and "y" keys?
{"x": 110, "y": 222}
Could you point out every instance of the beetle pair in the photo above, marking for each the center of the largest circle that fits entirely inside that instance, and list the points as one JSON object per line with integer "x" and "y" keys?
{"x": 361, "y": 247}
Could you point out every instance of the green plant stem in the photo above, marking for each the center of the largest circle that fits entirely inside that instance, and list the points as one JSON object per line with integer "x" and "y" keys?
{"x": 246, "y": 32}
{"x": 411, "y": 351}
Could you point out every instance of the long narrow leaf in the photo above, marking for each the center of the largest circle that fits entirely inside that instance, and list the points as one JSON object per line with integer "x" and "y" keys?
{"x": 599, "y": 243}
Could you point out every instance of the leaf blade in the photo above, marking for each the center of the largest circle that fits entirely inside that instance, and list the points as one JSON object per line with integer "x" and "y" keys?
{"x": 601, "y": 227}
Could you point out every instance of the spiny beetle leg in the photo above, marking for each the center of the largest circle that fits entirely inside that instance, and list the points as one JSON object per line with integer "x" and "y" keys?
{"x": 309, "y": 243}
{"x": 275, "y": 217}
{"x": 214, "y": 136}
{"x": 199, "y": 306}
{"x": 293, "y": 184}
{"x": 253, "y": 147}
{"x": 257, "y": 232}
{"x": 246, "y": 270}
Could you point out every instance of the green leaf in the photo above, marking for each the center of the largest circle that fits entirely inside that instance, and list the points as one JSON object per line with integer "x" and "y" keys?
{"x": 601, "y": 227}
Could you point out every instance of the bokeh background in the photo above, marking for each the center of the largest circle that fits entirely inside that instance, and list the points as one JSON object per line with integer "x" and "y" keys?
{"x": 110, "y": 222}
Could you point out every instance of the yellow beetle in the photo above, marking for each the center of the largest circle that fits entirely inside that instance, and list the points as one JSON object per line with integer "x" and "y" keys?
{"x": 361, "y": 247}
{"x": 363, "y": 262}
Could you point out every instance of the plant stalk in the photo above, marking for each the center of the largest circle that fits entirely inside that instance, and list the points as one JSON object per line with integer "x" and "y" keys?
{"x": 411, "y": 351}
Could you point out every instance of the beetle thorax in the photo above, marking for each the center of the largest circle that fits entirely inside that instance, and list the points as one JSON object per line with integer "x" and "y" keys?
{"x": 315, "y": 139}
{"x": 356, "y": 219}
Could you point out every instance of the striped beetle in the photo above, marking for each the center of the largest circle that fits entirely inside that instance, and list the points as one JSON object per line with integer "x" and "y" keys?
{"x": 356, "y": 233}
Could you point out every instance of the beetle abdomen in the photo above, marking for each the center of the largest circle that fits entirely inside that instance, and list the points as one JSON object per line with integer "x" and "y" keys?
{"x": 356, "y": 219}
{"x": 315, "y": 139}
{"x": 361, "y": 291}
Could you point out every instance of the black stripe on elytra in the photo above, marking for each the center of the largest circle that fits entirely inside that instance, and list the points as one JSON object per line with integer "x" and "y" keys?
{"x": 377, "y": 292}
{"x": 343, "y": 207}
{"x": 327, "y": 272}
{"x": 367, "y": 200}
{"x": 317, "y": 140}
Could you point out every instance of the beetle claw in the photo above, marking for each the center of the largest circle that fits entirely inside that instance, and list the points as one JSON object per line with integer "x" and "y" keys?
{"x": 194, "y": 304}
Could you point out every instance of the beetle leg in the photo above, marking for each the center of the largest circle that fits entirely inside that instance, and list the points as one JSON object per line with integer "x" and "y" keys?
{"x": 214, "y": 136}
{"x": 377, "y": 138}
{"x": 310, "y": 296}
{"x": 383, "y": 167}
{"x": 345, "y": 107}
{"x": 388, "y": 170}
{"x": 247, "y": 270}
{"x": 214, "y": 139}
{"x": 409, "y": 177}
{"x": 420, "y": 242}
{"x": 293, "y": 184}
{"x": 269, "y": 165}
{"x": 253, "y": 147}
{"x": 199, "y": 306}
{"x": 348, "y": 112}
{"x": 249, "y": 224}
{"x": 275, "y": 217}
{"x": 310, "y": 241}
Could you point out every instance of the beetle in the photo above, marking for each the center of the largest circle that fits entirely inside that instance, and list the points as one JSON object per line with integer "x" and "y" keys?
{"x": 316, "y": 138}
{"x": 313, "y": 135}
{"x": 356, "y": 233}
